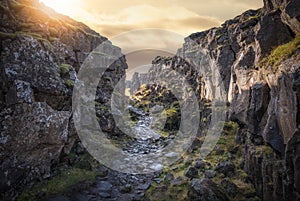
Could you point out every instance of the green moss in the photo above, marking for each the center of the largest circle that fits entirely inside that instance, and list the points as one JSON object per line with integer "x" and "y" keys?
{"x": 132, "y": 123}
{"x": 265, "y": 150}
{"x": 65, "y": 68}
{"x": 219, "y": 36}
{"x": 144, "y": 104}
{"x": 7, "y": 35}
{"x": 69, "y": 83}
{"x": 171, "y": 112}
{"x": 27, "y": 25}
{"x": 163, "y": 133}
{"x": 281, "y": 53}
{"x": 230, "y": 128}
{"x": 59, "y": 184}
{"x": 254, "y": 17}
{"x": 168, "y": 192}
{"x": 52, "y": 39}
{"x": 34, "y": 35}
{"x": 3, "y": 8}
{"x": 208, "y": 104}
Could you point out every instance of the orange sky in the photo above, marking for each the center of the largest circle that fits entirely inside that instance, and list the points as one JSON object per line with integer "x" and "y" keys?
{"x": 114, "y": 17}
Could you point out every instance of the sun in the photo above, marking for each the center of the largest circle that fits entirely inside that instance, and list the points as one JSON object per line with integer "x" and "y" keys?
{"x": 66, "y": 7}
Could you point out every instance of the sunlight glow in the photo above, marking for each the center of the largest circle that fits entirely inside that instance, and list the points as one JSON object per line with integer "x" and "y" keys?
{"x": 66, "y": 7}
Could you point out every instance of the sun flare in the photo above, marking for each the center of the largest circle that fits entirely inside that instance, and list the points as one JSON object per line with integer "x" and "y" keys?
{"x": 66, "y": 7}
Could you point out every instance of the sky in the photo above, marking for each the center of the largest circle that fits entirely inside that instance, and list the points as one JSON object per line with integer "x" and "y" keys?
{"x": 113, "y": 17}
{"x": 165, "y": 23}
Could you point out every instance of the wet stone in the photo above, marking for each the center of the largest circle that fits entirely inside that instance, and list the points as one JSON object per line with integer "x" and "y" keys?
{"x": 191, "y": 172}
{"x": 169, "y": 177}
{"x": 210, "y": 174}
{"x": 104, "y": 195}
{"x": 104, "y": 186}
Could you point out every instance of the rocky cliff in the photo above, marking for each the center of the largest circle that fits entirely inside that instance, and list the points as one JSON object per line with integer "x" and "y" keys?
{"x": 40, "y": 55}
{"x": 255, "y": 57}
{"x": 251, "y": 62}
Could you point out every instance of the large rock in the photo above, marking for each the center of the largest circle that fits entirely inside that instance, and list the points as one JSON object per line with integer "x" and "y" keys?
{"x": 266, "y": 38}
{"x": 32, "y": 138}
{"x": 270, "y": 5}
{"x": 290, "y": 14}
{"x": 206, "y": 190}
{"x": 227, "y": 168}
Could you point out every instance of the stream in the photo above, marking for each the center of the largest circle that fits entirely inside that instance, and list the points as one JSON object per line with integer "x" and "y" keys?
{"x": 117, "y": 186}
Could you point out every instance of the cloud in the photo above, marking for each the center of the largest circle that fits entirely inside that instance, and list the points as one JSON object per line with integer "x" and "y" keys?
{"x": 182, "y": 26}
{"x": 173, "y": 18}
{"x": 111, "y": 18}
{"x": 221, "y": 9}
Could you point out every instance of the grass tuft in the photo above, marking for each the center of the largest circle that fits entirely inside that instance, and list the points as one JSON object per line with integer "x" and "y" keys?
{"x": 65, "y": 68}
{"x": 281, "y": 53}
{"x": 4, "y": 35}
{"x": 69, "y": 83}
{"x": 59, "y": 184}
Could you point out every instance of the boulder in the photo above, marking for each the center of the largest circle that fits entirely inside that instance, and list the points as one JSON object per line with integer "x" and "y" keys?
{"x": 227, "y": 168}
{"x": 206, "y": 190}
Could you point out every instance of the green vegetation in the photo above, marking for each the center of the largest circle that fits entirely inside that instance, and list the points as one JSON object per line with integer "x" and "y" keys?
{"x": 226, "y": 149}
{"x": 7, "y": 35}
{"x": 173, "y": 191}
{"x": 171, "y": 112}
{"x": 254, "y": 17}
{"x": 83, "y": 169}
{"x": 69, "y": 83}
{"x": 26, "y": 25}
{"x": 230, "y": 128}
{"x": 281, "y": 53}
{"x": 265, "y": 150}
{"x": 59, "y": 183}
{"x": 163, "y": 133}
{"x": 52, "y": 39}
{"x": 34, "y": 35}
{"x": 65, "y": 68}
{"x": 53, "y": 31}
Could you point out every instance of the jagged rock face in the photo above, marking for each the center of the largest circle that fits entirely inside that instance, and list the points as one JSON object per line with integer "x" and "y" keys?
{"x": 292, "y": 189}
{"x": 41, "y": 53}
{"x": 263, "y": 100}
{"x": 33, "y": 137}
{"x": 137, "y": 80}
{"x": 135, "y": 83}
{"x": 290, "y": 12}
{"x": 229, "y": 56}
